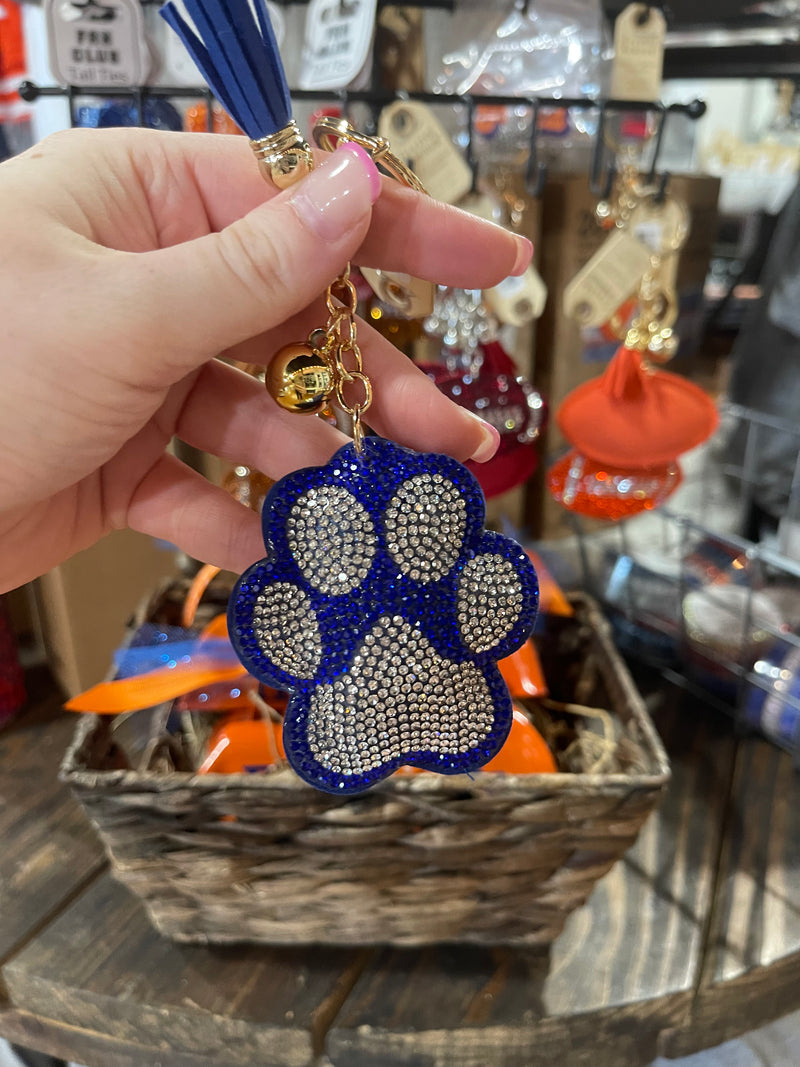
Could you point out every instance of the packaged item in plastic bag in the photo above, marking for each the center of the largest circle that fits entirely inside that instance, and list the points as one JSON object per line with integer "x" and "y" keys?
{"x": 558, "y": 47}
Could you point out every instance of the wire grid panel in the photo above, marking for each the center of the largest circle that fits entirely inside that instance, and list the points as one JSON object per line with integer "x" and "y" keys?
{"x": 708, "y": 587}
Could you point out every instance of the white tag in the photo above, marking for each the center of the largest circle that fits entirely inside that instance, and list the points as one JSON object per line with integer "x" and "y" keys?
{"x": 607, "y": 280}
{"x": 650, "y": 233}
{"x": 420, "y": 140}
{"x": 337, "y": 40}
{"x": 518, "y": 300}
{"x": 639, "y": 33}
{"x": 179, "y": 67}
{"x": 412, "y": 297}
{"x": 97, "y": 42}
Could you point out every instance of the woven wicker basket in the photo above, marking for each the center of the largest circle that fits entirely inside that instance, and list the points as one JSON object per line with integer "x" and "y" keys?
{"x": 492, "y": 859}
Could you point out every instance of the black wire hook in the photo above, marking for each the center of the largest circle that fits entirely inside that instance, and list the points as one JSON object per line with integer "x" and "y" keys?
{"x": 138, "y": 96}
{"x": 208, "y": 96}
{"x": 472, "y": 162}
{"x": 695, "y": 110}
{"x": 535, "y": 169}
{"x": 662, "y": 125}
{"x": 601, "y": 183}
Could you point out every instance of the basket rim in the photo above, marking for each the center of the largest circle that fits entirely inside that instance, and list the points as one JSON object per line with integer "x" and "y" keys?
{"x": 73, "y": 773}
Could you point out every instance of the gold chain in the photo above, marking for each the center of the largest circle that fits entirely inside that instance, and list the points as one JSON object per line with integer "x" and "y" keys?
{"x": 340, "y": 343}
{"x": 628, "y": 191}
{"x": 651, "y": 331}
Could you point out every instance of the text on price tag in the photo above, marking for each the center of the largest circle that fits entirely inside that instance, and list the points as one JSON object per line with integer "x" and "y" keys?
{"x": 99, "y": 43}
{"x": 337, "y": 40}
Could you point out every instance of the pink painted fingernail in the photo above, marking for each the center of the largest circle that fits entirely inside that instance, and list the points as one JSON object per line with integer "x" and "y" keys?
{"x": 524, "y": 255}
{"x": 335, "y": 196}
{"x": 369, "y": 165}
{"x": 490, "y": 439}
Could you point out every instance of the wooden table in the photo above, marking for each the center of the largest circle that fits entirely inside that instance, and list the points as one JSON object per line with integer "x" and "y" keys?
{"x": 692, "y": 939}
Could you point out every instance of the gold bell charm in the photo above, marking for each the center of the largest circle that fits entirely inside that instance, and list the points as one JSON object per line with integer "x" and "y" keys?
{"x": 299, "y": 378}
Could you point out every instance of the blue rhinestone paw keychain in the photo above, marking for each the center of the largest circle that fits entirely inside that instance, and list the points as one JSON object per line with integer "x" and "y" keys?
{"x": 382, "y": 604}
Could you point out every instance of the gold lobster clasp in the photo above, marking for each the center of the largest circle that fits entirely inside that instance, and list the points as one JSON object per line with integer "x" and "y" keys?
{"x": 413, "y": 297}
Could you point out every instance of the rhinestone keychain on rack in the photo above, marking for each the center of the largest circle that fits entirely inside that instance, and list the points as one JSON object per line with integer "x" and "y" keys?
{"x": 382, "y": 604}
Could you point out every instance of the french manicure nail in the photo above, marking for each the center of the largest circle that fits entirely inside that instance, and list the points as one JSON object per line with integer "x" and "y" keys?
{"x": 524, "y": 254}
{"x": 335, "y": 196}
{"x": 490, "y": 439}
{"x": 369, "y": 165}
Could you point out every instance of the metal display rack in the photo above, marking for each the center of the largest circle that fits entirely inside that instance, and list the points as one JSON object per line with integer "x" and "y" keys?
{"x": 645, "y": 571}
{"x": 602, "y": 168}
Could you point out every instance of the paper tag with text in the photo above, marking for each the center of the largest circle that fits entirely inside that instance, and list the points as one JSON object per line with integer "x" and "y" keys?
{"x": 420, "y": 140}
{"x": 639, "y": 34}
{"x": 607, "y": 280}
{"x": 518, "y": 300}
{"x": 337, "y": 42}
{"x": 97, "y": 43}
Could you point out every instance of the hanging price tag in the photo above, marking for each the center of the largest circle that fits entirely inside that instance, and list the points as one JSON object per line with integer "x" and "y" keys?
{"x": 607, "y": 280}
{"x": 639, "y": 34}
{"x": 418, "y": 138}
{"x": 412, "y": 297}
{"x": 97, "y": 42}
{"x": 518, "y": 300}
{"x": 337, "y": 41}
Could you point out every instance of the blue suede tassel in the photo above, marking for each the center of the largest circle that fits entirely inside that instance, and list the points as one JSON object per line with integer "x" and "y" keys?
{"x": 237, "y": 54}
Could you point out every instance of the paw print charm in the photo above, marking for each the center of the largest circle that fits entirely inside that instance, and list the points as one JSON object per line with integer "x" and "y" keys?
{"x": 383, "y": 605}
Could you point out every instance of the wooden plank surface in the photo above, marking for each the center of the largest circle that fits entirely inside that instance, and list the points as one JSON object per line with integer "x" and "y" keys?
{"x": 751, "y": 972}
{"x": 102, "y": 968}
{"x": 645, "y": 924}
{"x": 49, "y": 849}
{"x": 98, "y": 1050}
{"x": 757, "y": 914}
{"x": 625, "y": 967}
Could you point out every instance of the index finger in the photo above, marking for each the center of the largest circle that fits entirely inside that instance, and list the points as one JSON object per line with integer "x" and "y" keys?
{"x": 413, "y": 233}
{"x": 410, "y": 232}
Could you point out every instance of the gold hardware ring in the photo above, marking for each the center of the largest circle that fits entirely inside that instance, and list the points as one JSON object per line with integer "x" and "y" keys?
{"x": 330, "y": 132}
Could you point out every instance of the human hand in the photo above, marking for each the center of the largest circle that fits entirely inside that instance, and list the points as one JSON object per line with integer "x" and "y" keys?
{"x": 130, "y": 261}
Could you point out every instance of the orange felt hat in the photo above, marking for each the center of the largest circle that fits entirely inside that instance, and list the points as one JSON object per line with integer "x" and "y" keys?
{"x": 635, "y": 417}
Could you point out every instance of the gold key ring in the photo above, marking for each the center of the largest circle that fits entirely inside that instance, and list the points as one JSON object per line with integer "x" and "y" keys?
{"x": 330, "y": 132}
{"x": 410, "y": 296}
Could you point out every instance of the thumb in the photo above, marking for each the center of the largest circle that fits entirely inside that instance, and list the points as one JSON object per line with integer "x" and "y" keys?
{"x": 206, "y": 295}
